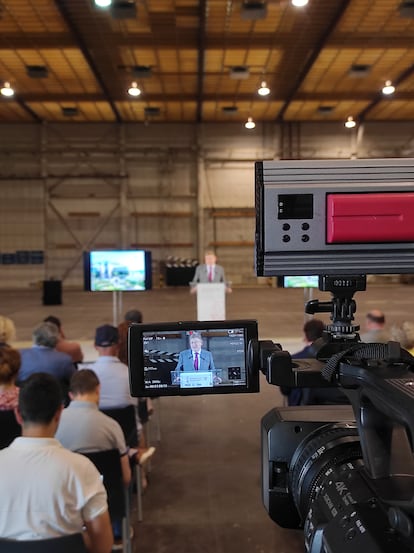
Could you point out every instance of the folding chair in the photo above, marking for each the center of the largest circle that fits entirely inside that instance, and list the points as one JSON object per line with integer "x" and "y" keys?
{"x": 109, "y": 465}
{"x": 125, "y": 417}
{"x": 9, "y": 428}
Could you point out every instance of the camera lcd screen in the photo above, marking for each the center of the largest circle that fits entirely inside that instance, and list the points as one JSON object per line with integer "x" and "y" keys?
{"x": 117, "y": 270}
{"x": 189, "y": 358}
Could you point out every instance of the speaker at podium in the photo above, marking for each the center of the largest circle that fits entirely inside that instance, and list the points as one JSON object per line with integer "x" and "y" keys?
{"x": 211, "y": 301}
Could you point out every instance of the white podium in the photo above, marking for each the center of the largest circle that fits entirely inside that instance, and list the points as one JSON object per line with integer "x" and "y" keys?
{"x": 211, "y": 301}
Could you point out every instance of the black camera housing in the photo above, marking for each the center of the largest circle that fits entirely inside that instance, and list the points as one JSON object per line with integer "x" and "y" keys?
{"x": 340, "y": 220}
{"x": 283, "y": 431}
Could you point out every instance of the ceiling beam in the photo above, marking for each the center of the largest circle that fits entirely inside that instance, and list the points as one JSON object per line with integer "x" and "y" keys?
{"x": 59, "y": 41}
{"x": 63, "y": 10}
{"x": 380, "y": 96}
{"x": 27, "y": 109}
{"x": 321, "y": 43}
{"x": 201, "y": 58}
{"x": 331, "y": 98}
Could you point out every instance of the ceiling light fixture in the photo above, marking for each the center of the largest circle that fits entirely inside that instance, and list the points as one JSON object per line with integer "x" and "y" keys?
{"x": 103, "y": 3}
{"x": 6, "y": 90}
{"x": 264, "y": 90}
{"x": 299, "y": 3}
{"x": 133, "y": 90}
{"x": 250, "y": 124}
{"x": 350, "y": 123}
{"x": 388, "y": 88}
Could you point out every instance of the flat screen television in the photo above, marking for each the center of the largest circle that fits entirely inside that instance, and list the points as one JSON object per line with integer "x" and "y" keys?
{"x": 310, "y": 281}
{"x": 117, "y": 270}
{"x": 162, "y": 363}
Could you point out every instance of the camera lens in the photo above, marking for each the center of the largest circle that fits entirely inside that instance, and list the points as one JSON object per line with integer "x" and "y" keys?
{"x": 330, "y": 446}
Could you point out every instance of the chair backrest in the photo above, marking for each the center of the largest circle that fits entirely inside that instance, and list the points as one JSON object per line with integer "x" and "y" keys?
{"x": 108, "y": 464}
{"x": 65, "y": 544}
{"x": 125, "y": 417}
{"x": 9, "y": 428}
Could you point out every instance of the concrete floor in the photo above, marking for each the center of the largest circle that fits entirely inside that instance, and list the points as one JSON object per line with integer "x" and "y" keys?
{"x": 204, "y": 493}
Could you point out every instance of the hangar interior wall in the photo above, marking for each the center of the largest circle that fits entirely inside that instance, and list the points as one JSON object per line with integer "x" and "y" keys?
{"x": 173, "y": 189}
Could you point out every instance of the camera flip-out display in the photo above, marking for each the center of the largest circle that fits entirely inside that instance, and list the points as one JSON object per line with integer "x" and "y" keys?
{"x": 187, "y": 358}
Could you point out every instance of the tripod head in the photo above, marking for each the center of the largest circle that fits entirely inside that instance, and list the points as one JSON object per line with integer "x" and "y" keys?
{"x": 342, "y": 308}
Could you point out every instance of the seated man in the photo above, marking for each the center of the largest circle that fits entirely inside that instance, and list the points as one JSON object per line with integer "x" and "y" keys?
{"x": 114, "y": 378}
{"x": 131, "y": 316}
{"x": 49, "y": 491}
{"x": 375, "y": 329}
{"x": 66, "y": 346}
{"x": 43, "y": 357}
{"x": 85, "y": 429}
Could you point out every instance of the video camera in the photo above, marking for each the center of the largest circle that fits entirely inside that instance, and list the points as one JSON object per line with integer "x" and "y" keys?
{"x": 343, "y": 473}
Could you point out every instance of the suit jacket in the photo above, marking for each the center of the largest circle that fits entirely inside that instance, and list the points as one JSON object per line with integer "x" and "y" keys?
{"x": 186, "y": 361}
{"x": 42, "y": 359}
{"x": 201, "y": 274}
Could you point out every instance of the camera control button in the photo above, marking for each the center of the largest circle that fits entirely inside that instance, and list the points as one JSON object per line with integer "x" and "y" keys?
{"x": 305, "y": 226}
{"x": 344, "y": 521}
{"x": 286, "y": 226}
{"x": 350, "y": 535}
{"x": 305, "y": 238}
{"x": 286, "y": 238}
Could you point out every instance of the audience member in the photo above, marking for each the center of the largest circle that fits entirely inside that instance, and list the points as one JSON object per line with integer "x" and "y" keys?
{"x": 43, "y": 357}
{"x": 7, "y": 331}
{"x": 313, "y": 329}
{"x": 114, "y": 378}
{"x": 85, "y": 429}
{"x": 9, "y": 367}
{"x": 208, "y": 271}
{"x": 404, "y": 334}
{"x": 375, "y": 331}
{"x": 49, "y": 491}
{"x": 145, "y": 407}
{"x": 71, "y": 348}
{"x": 131, "y": 316}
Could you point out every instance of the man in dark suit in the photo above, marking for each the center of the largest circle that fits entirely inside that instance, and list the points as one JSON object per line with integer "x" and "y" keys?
{"x": 208, "y": 272}
{"x": 195, "y": 358}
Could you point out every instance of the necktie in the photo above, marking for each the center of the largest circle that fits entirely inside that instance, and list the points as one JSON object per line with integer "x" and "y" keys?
{"x": 196, "y": 361}
{"x": 210, "y": 273}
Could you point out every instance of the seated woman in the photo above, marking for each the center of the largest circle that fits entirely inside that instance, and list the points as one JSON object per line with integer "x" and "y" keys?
{"x": 7, "y": 331}
{"x": 9, "y": 367}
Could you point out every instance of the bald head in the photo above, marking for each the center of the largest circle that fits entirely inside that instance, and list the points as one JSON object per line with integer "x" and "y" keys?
{"x": 375, "y": 319}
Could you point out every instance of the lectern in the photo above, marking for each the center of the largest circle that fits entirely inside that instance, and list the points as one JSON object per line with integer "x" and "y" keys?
{"x": 211, "y": 301}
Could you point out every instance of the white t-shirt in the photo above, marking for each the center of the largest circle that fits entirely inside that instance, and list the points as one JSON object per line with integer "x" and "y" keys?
{"x": 47, "y": 491}
{"x": 114, "y": 380}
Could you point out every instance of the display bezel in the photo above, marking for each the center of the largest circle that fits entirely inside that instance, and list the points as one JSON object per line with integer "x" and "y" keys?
{"x": 87, "y": 270}
{"x": 136, "y": 356}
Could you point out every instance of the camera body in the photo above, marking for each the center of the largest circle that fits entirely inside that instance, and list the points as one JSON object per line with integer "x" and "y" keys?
{"x": 345, "y": 475}
{"x": 285, "y": 433}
